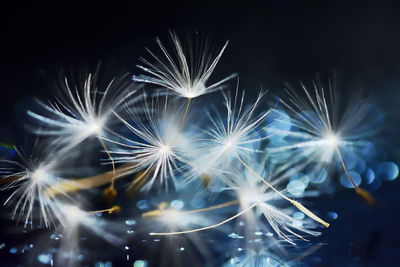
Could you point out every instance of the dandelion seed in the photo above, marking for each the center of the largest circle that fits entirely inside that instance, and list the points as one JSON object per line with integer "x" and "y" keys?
{"x": 30, "y": 178}
{"x": 158, "y": 147}
{"x": 186, "y": 74}
{"x": 320, "y": 135}
{"x": 238, "y": 134}
{"x": 83, "y": 111}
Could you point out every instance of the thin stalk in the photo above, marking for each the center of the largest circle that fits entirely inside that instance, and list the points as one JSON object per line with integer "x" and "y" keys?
{"x": 184, "y": 117}
{"x": 111, "y": 210}
{"x": 207, "y": 227}
{"x": 365, "y": 195}
{"x": 298, "y": 205}
{"x": 112, "y": 162}
{"x": 158, "y": 212}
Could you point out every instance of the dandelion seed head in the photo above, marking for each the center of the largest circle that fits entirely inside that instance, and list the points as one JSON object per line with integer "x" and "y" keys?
{"x": 73, "y": 214}
{"x": 229, "y": 144}
{"x": 332, "y": 140}
{"x": 165, "y": 149}
{"x": 83, "y": 109}
{"x": 40, "y": 175}
{"x": 185, "y": 73}
{"x": 250, "y": 196}
{"x": 93, "y": 127}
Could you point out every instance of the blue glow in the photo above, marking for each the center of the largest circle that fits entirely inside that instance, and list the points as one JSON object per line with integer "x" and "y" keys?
{"x": 387, "y": 171}
{"x": 360, "y": 165}
{"x": 345, "y": 181}
{"x": 369, "y": 176}
{"x": 140, "y": 263}
{"x": 142, "y": 204}
{"x": 332, "y": 215}
{"x": 130, "y": 222}
{"x": 296, "y": 187}
{"x": 45, "y": 258}
{"x": 278, "y": 123}
{"x": 298, "y": 215}
{"x": 177, "y": 204}
{"x": 318, "y": 176}
{"x": 255, "y": 260}
{"x": 197, "y": 203}
{"x": 349, "y": 159}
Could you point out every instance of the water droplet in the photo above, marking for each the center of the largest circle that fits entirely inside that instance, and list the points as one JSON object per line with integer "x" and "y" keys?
{"x": 103, "y": 264}
{"x": 130, "y": 222}
{"x": 318, "y": 176}
{"x": 258, "y": 233}
{"x": 177, "y": 204}
{"x": 45, "y": 258}
{"x": 296, "y": 188}
{"x": 298, "y": 215}
{"x": 332, "y": 215}
{"x": 142, "y": 204}
{"x": 20, "y": 249}
{"x": 130, "y": 232}
{"x": 269, "y": 234}
{"x": 140, "y": 263}
{"x": 55, "y": 236}
{"x": 181, "y": 248}
{"x": 234, "y": 236}
{"x": 127, "y": 247}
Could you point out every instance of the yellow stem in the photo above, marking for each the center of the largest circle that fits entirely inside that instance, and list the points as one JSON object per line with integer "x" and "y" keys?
{"x": 111, "y": 210}
{"x": 158, "y": 212}
{"x": 76, "y": 184}
{"x": 207, "y": 227}
{"x": 365, "y": 195}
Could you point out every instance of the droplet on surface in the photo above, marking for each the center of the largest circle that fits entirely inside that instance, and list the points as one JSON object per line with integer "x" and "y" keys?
{"x": 332, "y": 215}
{"x": 142, "y": 204}
{"x": 140, "y": 263}
{"x": 298, "y": 215}
{"x": 45, "y": 258}
{"x": 130, "y": 222}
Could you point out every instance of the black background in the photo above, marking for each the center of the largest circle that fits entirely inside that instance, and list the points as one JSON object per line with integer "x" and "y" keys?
{"x": 270, "y": 42}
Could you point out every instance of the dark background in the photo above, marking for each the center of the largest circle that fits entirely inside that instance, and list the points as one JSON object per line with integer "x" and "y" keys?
{"x": 270, "y": 42}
